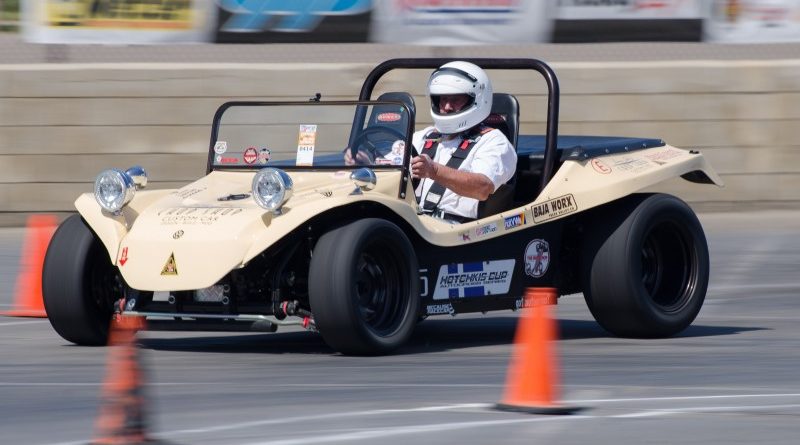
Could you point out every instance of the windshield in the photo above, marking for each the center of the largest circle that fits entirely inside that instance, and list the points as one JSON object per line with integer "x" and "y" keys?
{"x": 310, "y": 134}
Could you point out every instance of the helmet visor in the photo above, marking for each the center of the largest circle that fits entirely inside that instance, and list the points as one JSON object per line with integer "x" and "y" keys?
{"x": 448, "y": 104}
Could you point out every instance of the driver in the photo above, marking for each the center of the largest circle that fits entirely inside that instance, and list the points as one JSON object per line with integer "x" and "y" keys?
{"x": 460, "y": 161}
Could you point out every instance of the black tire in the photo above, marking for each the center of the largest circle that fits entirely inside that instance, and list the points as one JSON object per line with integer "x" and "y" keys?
{"x": 645, "y": 266}
{"x": 364, "y": 287}
{"x": 79, "y": 284}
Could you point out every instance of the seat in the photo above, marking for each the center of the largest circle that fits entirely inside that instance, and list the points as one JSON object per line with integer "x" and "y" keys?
{"x": 504, "y": 116}
{"x": 384, "y": 125}
{"x": 379, "y": 112}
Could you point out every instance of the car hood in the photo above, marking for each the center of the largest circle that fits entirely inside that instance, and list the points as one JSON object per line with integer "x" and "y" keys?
{"x": 192, "y": 237}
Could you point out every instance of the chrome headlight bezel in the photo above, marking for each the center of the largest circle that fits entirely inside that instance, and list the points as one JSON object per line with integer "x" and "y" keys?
{"x": 113, "y": 189}
{"x": 271, "y": 189}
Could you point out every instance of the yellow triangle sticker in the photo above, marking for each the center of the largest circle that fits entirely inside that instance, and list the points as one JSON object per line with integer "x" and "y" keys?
{"x": 171, "y": 268}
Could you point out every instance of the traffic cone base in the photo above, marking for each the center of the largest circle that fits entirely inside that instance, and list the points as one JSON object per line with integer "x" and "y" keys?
{"x": 532, "y": 380}
{"x": 122, "y": 418}
{"x": 552, "y": 410}
{"x": 28, "y": 301}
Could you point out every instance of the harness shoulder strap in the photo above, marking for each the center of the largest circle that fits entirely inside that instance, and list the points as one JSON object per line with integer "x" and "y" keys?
{"x": 471, "y": 138}
{"x": 431, "y": 142}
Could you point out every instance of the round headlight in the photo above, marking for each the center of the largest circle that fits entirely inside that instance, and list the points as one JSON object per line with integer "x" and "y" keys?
{"x": 113, "y": 189}
{"x": 272, "y": 188}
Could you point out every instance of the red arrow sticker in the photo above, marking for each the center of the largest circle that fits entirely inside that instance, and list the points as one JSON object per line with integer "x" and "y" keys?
{"x": 124, "y": 258}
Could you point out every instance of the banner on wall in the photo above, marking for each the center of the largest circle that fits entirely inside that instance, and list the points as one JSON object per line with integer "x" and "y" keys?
{"x": 754, "y": 21}
{"x": 293, "y": 21}
{"x": 628, "y": 9}
{"x": 117, "y": 21}
{"x": 629, "y": 20}
{"x": 457, "y": 22}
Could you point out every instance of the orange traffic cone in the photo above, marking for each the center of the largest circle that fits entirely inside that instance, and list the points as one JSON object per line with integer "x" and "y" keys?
{"x": 28, "y": 301}
{"x": 533, "y": 372}
{"x": 122, "y": 409}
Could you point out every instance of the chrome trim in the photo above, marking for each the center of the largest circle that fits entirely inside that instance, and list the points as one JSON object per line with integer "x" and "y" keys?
{"x": 364, "y": 179}
{"x": 139, "y": 176}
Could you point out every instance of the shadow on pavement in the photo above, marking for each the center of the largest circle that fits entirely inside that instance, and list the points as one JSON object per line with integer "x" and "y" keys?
{"x": 432, "y": 335}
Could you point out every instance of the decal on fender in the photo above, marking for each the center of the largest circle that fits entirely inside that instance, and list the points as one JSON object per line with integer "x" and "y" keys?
{"x": 124, "y": 257}
{"x": 458, "y": 280}
{"x": 632, "y": 164}
{"x": 554, "y": 208}
{"x": 662, "y": 157}
{"x": 537, "y": 258}
{"x": 600, "y": 167}
{"x": 438, "y": 309}
{"x": 486, "y": 230}
{"x": 171, "y": 268}
{"x": 515, "y": 221}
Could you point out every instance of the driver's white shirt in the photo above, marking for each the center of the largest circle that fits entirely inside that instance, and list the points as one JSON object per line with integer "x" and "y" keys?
{"x": 492, "y": 156}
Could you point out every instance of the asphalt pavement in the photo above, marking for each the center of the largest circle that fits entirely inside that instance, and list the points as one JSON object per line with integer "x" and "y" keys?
{"x": 731, "y": 378}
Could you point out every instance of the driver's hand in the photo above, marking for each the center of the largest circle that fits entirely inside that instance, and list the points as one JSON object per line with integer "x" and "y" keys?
{"x": 360, "y": 159}
{"x": 422, "y": 166}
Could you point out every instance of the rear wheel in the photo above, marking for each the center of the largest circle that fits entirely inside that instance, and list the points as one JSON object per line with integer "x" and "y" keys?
{"x": 364, "y": 287}
{"x": 79, "y": 284}
{"x": 645, "y": 266}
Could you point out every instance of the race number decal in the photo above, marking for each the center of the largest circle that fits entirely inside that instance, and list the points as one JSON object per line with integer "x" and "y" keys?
{"x": 306, "y": 141}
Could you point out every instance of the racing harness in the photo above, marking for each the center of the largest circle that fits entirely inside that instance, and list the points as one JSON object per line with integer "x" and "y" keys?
{"x": 430, "y": 203}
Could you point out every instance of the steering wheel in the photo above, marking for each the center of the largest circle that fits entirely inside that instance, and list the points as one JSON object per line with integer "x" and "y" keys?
{"x": 373, "y": 137}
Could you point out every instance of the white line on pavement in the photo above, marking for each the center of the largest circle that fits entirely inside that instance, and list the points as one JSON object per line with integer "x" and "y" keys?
{"x": 427, "y": 428}
{"x": 659, "y": 399}
{"x": 704, "y": 409}
{"x": 17, "y": 323}
{"x": 330, "y": 416}
{"x": 449, "y": 408}
{"x": 411, "y": 429}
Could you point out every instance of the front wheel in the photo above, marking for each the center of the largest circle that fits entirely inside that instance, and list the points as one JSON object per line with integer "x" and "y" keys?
{"x": 79, "y": 284}
{"x": 364, "y": 287}
{"x": 645, "y": 266}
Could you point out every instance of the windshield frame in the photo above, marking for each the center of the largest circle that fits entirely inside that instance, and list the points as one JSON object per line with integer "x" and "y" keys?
{"x": 359, "y": 119}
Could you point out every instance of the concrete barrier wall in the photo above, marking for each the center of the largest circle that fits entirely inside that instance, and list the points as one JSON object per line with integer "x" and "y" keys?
{"x": 60, "y": 124}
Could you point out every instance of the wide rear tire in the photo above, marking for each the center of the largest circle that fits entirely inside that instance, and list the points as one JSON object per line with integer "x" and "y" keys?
{"x": 364, "y": 287}
{"x": 645, "y": 266}
{"x": 79, "y": 284}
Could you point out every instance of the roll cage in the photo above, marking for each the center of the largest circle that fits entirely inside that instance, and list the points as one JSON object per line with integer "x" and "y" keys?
{"x": 553, "y": 92}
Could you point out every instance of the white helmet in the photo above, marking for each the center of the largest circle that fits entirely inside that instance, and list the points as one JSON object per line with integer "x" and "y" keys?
{"x": 460, "y": 78}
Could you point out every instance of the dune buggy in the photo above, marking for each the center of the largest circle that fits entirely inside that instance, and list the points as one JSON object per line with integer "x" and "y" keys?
{"x": 283, "y": 231}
